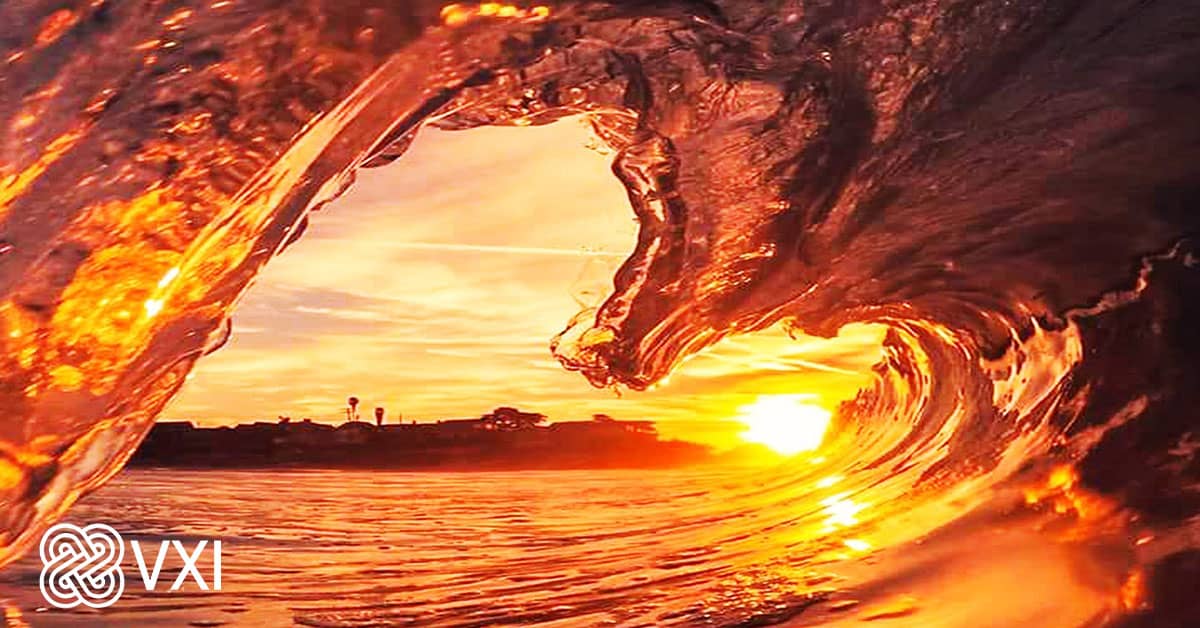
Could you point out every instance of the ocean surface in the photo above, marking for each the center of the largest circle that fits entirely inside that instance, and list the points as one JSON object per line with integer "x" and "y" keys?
{"x": 576, "y": 548}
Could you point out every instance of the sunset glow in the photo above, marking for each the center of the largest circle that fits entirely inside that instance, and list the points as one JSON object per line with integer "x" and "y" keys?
{"x": 787, "y": 424}
{"x": 440, "y": 302}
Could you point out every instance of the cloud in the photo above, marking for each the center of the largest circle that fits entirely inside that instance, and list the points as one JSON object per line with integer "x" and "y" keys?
{"x": 434, "y": 285}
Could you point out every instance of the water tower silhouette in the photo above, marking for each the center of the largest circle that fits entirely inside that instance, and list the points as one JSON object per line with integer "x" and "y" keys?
{"x": 378, "y": 416}
{"x": 352, "y": 409}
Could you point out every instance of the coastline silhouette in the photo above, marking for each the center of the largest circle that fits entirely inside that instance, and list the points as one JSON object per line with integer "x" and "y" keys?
{"x": 504, "y": 439}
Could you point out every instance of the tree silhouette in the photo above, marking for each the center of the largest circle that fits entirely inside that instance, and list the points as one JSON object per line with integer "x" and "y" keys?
{"x": 512, "y": 419}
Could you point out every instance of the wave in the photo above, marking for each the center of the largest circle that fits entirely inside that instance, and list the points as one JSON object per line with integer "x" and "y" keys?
{"x": 1009, "y": 187}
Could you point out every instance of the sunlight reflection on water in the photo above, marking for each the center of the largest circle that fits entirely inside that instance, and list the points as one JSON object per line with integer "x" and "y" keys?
{"x": 684, "y": 547}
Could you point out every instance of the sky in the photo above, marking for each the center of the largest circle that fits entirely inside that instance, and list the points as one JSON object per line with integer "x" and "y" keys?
{"x": 432, "y": 288}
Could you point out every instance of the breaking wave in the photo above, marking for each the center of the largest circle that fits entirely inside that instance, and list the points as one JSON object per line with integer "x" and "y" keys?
{"x": 1009, "y": 187}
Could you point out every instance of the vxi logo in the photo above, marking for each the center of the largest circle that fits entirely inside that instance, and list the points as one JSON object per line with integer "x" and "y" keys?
{"x": 83, "y": 565}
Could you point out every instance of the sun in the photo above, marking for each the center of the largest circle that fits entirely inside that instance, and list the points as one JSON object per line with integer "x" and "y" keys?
{"x": 787, "y": 424}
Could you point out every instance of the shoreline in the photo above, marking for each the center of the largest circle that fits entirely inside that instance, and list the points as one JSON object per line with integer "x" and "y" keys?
{"x": 506, "y": 440}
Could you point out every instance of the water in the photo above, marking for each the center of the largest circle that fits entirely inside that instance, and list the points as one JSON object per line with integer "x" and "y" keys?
{"x": 348, "y": 548}
{"x": 577, "y": 548}
{"x": 1007, "y": 186}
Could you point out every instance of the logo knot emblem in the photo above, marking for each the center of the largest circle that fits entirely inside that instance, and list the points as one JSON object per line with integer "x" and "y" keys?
{"x": 82, "y": 565}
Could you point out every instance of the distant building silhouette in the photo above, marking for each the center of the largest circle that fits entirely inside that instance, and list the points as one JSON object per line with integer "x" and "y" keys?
{"x": 505, "y": 438}
{"x": 352, "y": 409}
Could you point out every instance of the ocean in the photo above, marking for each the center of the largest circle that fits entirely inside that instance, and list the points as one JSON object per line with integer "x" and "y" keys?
{"x": 719, "y": 547}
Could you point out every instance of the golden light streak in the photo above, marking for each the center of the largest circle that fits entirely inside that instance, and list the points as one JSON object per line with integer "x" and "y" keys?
{"x": 55, "y": 26}
{"x": 168, "y": 277}
{"x": 829, "y": 481}
{"x": 841, "y": 511}
{"x": 153, "y": 307}
{"x": 857, "y": 545}
{"x": 457, "y": 14}
{"x": 11, "y": 475}
{"x": 15, "y": 185}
